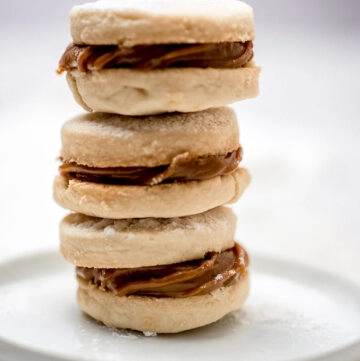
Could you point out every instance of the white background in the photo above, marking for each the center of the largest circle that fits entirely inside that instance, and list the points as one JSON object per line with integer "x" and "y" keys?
{"x": 301, "y": 135}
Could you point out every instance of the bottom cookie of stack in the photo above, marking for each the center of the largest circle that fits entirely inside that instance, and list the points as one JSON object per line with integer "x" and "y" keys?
{"x": 161, "y": 315}
{"x": 164, "y": 292}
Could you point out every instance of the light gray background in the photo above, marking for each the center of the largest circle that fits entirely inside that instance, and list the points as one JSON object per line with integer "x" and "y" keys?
{"x": 301, "y": 135}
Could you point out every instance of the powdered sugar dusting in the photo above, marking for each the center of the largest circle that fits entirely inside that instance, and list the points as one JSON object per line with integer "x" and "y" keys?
{"x": 174, "y": 7}
{"x": 109, "y": 231}
{"x": 219, "y": 277}
{"x": 204, "y": 222}
{"x": 150, "y": 334}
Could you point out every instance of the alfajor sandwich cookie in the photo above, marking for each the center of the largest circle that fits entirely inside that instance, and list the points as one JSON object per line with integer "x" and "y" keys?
{"x": 138, "y": 57}
{"x": 166, "y": 298}
{"x": 162, "y": 166}
{"x": 157, "y": 275}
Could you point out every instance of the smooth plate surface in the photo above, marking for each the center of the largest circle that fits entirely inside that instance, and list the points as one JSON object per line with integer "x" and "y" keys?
{"x": 293, "y": 313}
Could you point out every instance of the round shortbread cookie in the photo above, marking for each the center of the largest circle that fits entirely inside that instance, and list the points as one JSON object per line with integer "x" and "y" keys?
{"x": 142, "y": 92}
{"x": 128, "y": 243}
{"x": 132, "y": 22}
{"x": 165, "y": 200}
{"x": 161, "y": 315}
{"x": 111, "y": 140}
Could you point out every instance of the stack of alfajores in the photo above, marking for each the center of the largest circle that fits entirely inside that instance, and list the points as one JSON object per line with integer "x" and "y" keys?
{"x": 148, "y": 171}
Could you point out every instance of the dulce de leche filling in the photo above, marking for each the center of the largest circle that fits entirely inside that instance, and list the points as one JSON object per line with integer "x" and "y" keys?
{"x": 157, "y": 56}
{"x": 191, "y": 278}
{"x": 183, "y": 167}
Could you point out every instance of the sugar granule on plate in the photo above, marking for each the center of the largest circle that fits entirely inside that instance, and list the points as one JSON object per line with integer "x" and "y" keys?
{"x": 150, "y": 334}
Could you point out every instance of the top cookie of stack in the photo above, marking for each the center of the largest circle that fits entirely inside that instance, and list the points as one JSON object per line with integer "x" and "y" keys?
{"x": 139, "y": 57}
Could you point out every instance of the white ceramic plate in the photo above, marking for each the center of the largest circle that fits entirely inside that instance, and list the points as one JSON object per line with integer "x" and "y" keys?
{"x": 293, "y": 313}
